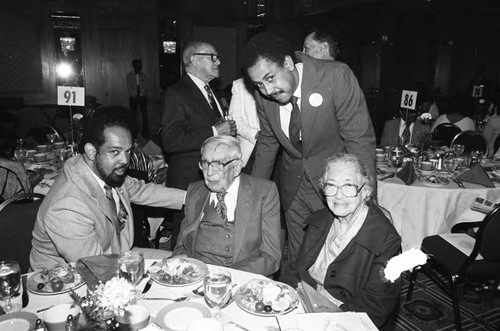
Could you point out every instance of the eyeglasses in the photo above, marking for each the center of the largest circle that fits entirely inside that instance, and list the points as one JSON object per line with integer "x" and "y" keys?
{"x": 216, "y": 165}
{"x": 213, "y": 57}
{"x": 348, "y": 190}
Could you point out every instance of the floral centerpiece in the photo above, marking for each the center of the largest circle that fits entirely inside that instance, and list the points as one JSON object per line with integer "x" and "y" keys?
{"x": 425, "y": 133}
{"x": 77, "y": 126}
{"x": 102, "y": 305}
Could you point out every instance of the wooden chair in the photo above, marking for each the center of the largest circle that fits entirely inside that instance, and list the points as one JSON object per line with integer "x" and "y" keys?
{"x": 459, "y": 269}
{"x": 472, "y": 140}
{"x": 444, "y": 133}
{"x": 17, "y": 219}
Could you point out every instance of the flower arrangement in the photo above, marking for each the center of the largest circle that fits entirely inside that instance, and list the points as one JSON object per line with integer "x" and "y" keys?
{"x": 78, "y": 124}
{"x": 425, "y": 133}
{"x": 103, "y": 304}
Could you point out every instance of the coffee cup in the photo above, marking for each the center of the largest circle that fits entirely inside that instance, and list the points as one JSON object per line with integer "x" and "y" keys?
{"x": 40, "y": 157}
{"x": 380, "y": 157}
{"x": 55, "y": 317}
{"x": 426, "y": 165}
{"x": 31, "y": 153}
{"x": 134, "y": 318}
{"x": 59, "y": 145}
{"x": 42, "y": 148}
{"x": 379, "y": 150}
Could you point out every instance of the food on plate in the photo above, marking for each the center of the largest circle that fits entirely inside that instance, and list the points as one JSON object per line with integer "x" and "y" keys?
{"x": 57, "y": 278}
{"x": 267, "y": 297}
{"x": 178, "y": 271}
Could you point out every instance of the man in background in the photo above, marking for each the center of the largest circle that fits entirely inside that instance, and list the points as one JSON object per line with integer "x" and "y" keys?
{"x": 137, "y": 90}
{"x": 191, "y": 114}
{"x": 321, "y": 43}
{"x": 312, "y": 110}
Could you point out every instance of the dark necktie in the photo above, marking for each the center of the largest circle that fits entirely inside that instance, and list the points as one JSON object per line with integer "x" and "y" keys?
{"x": 405, "y": 136}
{"x": 122, "y": 215}
{"x": 211, "y": 101}
{"x": 294, "y": 127}
{"x": 221, "y": 207}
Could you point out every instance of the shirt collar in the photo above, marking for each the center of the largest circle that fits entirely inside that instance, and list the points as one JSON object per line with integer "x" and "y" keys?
{"x": 298, "y": 91}
{"x": 201, "y": 84}
{"x": 99, "y": 181}
{"x": 230, "y": 199}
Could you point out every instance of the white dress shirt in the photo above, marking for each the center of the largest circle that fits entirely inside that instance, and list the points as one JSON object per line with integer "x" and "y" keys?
{"x": 286, "y": 110}
{"x": 230, "y": 199}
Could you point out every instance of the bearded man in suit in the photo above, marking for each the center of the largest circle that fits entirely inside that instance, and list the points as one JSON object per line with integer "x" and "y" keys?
{"x": 87, "y": 211}
{"x": 191, "y": 114}
{"x": 232, "y": 219}
{"x": 312, "y": 109}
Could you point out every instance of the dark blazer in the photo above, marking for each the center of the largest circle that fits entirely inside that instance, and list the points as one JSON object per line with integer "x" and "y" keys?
{"x": 186, "y": 122}
{"x": 355, "y": 275}
{"x": 334, "y": 119}
{"x": 257, "y": 238}
{"x": 390, "y": 135}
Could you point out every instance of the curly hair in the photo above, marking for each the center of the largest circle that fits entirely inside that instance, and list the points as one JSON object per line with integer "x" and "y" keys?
{"x": 267, "y": 46}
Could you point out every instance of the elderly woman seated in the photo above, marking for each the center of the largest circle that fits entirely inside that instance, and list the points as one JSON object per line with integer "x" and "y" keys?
{"x": 347, "y": 245}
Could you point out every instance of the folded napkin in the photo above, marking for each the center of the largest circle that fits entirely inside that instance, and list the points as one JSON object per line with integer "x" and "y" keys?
{"x": 97, "y": 268}
{"x": 407, "y": 174}
{"x": 476, "y": 175}
{"x": 313, "y": 301}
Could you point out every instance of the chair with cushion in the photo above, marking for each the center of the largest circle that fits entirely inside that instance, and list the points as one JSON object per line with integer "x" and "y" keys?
{"x": 472, "y": 140}
{"x": 450, "y": 268}
{"x": 444, "y": 133}
{"x": 17, "y": 219}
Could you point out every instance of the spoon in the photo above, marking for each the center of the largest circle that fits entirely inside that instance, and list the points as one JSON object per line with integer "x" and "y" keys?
{"x": 179, "y": 299}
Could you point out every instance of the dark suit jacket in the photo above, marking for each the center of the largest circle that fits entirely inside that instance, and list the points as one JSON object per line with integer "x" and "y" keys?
{"x": 355, "y": 275}
{"x": 257, "y": 225}
{"x": 390, "y": 135}
{"x": 186, "y": 122}
{"x": 340, "y": 123}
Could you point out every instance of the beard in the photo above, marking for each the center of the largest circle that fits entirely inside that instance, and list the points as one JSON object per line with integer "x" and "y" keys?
{"x": 113, "y": 179}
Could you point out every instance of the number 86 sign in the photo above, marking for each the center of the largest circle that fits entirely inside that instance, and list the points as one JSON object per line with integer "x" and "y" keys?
{"x": 70, "y": 96}
{"x": 408, "y": 99}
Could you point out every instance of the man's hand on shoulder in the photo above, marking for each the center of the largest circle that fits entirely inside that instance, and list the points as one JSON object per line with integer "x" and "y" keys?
{"x": 226, "y": 128}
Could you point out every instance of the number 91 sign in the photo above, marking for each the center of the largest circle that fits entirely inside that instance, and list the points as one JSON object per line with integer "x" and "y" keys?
{"x": 408, "y": 99}
{"x": 70, "y": 96}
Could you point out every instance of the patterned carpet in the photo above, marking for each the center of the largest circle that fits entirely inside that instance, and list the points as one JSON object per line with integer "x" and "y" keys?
{"x": 431, "y": 309}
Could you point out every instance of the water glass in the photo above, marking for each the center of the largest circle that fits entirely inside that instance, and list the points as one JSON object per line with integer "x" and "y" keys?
{"x": 131, "y": 266}
{"x": 458, "y": 149}
{"x": 217, "y": 285}
{"x": 451, "y": 165}
{"x": 10, "y": 280}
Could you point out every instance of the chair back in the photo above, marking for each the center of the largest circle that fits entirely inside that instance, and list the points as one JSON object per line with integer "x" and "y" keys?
{"x": 488, "y": 236}
{"x": 17, "y": 219}
{"x": 472, "y": 140}
{"x": 496, "y": 145}
{"x": 10, "y": 184}
{"x": 444, "y": 133}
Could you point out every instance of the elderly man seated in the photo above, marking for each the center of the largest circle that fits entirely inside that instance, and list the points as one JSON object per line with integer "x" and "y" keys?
{"x": 405, "y": 130}
{"x": 87, "y": 211}
{"x": 347, "y": 245}
{"x": 232, "y": 219}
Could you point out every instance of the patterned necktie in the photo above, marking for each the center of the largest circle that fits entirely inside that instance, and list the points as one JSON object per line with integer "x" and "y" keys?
{"x": 122, "y": 215}
{"x": 405, "y": 136}
{"x": 294, "y": 127}
{"x": 212, "y": 102}
{"x": 221, "y": 207}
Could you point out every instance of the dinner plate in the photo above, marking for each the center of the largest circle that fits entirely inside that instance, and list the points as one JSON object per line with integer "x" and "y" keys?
{"x": 18, "y": 321}
{"x": 178, "y": 271}
{"x": 37, "y": 278}
{"x": 281, "y": 297}
{"x": 177, "y": 316}
{"x": 433, "y": 180}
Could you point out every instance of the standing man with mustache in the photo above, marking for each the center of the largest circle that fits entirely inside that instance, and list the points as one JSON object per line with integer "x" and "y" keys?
{"x": 87, "y": 210}
{"x": 312, "y": 109}
{"x": 191, "y": 114}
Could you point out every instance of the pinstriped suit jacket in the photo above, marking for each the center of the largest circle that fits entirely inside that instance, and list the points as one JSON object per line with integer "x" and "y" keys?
{"x": 341, "y": 123}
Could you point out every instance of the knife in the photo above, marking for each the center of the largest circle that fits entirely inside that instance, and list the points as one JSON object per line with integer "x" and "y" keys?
{"x": 150, "y": 281}
{"x": 25, "y": 297}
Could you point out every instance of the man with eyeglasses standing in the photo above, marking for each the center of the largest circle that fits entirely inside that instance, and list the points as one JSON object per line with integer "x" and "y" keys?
{"x": 231, "y": 219}
{"x": 191, "y": 114}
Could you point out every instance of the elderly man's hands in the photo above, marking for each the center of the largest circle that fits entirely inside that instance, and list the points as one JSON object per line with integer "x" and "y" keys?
{"x": 226, "y": 128}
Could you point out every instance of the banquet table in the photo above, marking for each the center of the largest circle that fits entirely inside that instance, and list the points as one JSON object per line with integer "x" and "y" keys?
{"x": 424, "y": 209}
{"x": 232, "y": 313}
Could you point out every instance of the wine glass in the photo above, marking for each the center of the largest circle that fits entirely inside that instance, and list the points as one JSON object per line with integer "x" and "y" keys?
{"x": 217, "y": 285}
{"x": 10, "y": 279}
{"x": 451, "y": 165}
{"x": 131, "y": 266}
{"x": 458, "y": 149}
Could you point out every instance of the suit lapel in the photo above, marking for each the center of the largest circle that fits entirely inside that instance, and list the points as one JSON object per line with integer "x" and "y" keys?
{"x": 198, "y": 95}
{"x": 242, "y": 214}
{"x": 199, "y": 207}
{"x": 310, "y": 81}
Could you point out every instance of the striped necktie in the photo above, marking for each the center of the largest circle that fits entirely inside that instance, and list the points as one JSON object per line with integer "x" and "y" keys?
{"x": 221, "y": 207}
{"x": 211, "y": 101}
{"x": 119, "y": 220}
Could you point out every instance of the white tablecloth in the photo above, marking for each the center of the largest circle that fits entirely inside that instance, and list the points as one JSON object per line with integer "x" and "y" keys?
{"x": 230, "y": 313}
{"x": 421, "y": 210}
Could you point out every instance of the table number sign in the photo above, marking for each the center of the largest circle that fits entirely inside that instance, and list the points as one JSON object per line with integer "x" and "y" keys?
{"x": 70, "y": 96}
{"x": 477, "y": 91}
{"x": 408, "y": 99}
